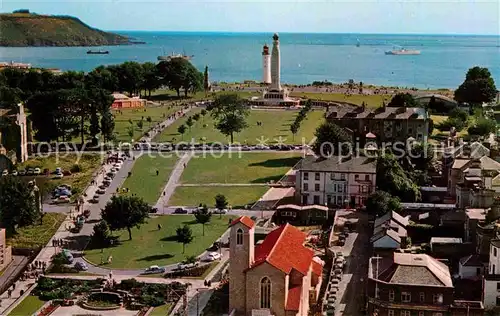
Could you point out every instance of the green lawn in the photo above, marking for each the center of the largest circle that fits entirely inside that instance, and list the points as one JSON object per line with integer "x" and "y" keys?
{"x": 150, "y": 246}
{"x": 237, "y": 196}
{"x": 374, "y": 100}
{"x": 239, "y": 168}
{"x": 122, "y": 117}
{"x": 144, "y": 182}
{"x": 28, "y": 306}
{"x": 37, "y": 235}
{"x": 162, "y": 310}
{"x": 275, "y": 124}
{"x": 88, "y": 164}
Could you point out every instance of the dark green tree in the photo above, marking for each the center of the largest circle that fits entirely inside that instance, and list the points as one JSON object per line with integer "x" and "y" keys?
{"x": 392, "y": 178}
{"x": 203, "y": 216}
{"x": 331, "y": 140}
{"x": 403, "y": 99}
{"x": 178, "y": 74}
{"x": 203, "y": 113}
{"x": 101, "y": 235}
{"x": 190, "y": 122}
{"x": 483, "y": 127}
{"x": 140, "y": 124}
{"x": 221, "y": 203}
{"x": 181, "y": 130}
{"x": 151, "y": 81}
{"x": 17, "y": 204}
{"x": 184, "y": 236}
{"x": 101, "y": 78}
{"x": 381, "y": 202}
{"x": 294, "y": 128}
{"x": 477, "y": 88}
{"x": 129, "y": 76}
{"x": 193, "y": 81}
{"x": 229, "y": 112}
{"x": 108, "y": 126}
{"x": 125, "y": 212}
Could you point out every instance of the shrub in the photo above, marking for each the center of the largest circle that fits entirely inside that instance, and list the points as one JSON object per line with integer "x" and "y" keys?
{"x": 75, "y": 168}
{"x": 152, "y": 300}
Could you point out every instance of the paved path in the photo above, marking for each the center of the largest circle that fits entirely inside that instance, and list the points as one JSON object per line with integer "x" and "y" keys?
{"x": 222, "y": 185}
{"x": 160, "y": 127}
{"x": 173, "y": 180}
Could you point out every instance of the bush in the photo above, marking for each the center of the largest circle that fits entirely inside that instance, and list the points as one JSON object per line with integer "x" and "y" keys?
{"x": 152, "y": 300}
{"x": 193, "y": 272}
{"x": 75, "y": 168}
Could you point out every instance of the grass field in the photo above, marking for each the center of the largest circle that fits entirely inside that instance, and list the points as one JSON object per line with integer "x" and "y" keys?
{"x": 88, "y": 164}
{"x": 237, "y": 196}
{"x": 239, "y": 168}
{"x": 28, "y": 306}
{"x": 275, "y": 124}
{"x": 150, "y": 246}
{"x": 37, "y": 235}
{"x": 161, "y": 310}
{"x": 122, "y": 117}
{"x": 144, "y": 182}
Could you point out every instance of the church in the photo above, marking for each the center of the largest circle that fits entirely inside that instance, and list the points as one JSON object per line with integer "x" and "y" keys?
{"x": 279, "y": 277}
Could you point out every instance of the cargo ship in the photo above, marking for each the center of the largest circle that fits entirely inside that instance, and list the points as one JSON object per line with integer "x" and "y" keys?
{"x": 403, "y": 52}
{"x": 97, "y": 52}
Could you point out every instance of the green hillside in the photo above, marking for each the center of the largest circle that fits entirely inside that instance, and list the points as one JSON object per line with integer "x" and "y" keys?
{"x": 25, "y": 29}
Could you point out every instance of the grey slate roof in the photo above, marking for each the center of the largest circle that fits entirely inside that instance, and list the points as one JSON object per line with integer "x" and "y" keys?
{"x": 336, "y": 164}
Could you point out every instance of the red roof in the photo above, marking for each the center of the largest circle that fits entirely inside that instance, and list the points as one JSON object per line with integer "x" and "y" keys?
{"x": 317, "y": 268}
{"x": 293, "y": 300}
{"x": 245, "y": 220}
{"x": 284, "y": 249}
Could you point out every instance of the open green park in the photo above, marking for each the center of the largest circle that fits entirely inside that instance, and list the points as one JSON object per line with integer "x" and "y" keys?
{"x": 144, "y": 182}
{"x": 37, "y": 235}
{"x": 275, "y": 128}
{"x": 151, "y": 246}
{"x": 28, "y": 306}
{"x": 241, "y": 174}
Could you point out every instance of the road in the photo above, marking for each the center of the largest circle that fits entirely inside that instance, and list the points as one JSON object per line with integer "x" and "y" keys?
{"x": 351, "y": 294}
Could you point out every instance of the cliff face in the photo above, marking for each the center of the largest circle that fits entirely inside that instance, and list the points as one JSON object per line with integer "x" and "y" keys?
{"x": 21, "y": 29}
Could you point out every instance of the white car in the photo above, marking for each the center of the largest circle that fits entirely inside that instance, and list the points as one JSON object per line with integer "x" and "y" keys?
{"x": 22, "y": 172}
{"x": 154, "y": 269}
{"x": 183, "y": 266}
{"x": 5, "y": 172}
{"x": 37, "y": 171}
{"x": 14, "y": 173}
{"x": 58, "y": 170}
{"x": 59, "y": 175}
{"x": 217, "y": 211}
{"x": 81, "y": 266}
{"x": 212, "y": 256}
{"x": 62, "y": 199}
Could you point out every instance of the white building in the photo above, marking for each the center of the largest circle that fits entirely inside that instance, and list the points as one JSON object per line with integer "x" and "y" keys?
{"x": 335, "y": 181}
{"x": 389, "y": 231}
{"x": 491, "y": 289}
{"x": 470, "y": 267}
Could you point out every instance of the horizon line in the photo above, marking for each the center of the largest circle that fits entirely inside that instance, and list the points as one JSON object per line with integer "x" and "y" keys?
{"x": 323, "y": 33}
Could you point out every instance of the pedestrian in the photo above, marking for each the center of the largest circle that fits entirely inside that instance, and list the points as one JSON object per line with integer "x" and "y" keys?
{"x": 157, "y": 172}
{"x": 13, "y": 286}
{"x": 164, "y": 192}
{"x": 21, "y": 292}
{"x": 9, "y": 293}
{"x": 205, "y": 282}
{"x": 159, "y": 226}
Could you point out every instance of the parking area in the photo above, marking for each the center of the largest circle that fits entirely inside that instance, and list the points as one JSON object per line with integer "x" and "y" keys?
{"x": 346, "y": 292}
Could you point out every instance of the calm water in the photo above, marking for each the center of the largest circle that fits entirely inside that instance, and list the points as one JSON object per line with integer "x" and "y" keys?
{"x": 304, "y": 57}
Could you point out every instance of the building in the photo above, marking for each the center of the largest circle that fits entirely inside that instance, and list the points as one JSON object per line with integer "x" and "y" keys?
{"x": 302, "y": 215}
{"x": 279, "y": 276}
{"x": 276, "y": 94}
{"x": 5, "y": 251}
{"x": 266, "y": 65}
{"x": 335, "y": 181}
{"x": 491, "y": 287}
{"x": 413, "y": 284}
{"x": 385, "y": 123}
{"x": 12, "y": 64}
{"x": 470, "y": 267}
{"x": 123, "y": 102}
{"x": 389, "y": 231}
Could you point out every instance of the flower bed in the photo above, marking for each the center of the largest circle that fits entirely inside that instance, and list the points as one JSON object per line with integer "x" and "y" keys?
{"x": 103, "y": 301}
{"x": 48, "y": 309}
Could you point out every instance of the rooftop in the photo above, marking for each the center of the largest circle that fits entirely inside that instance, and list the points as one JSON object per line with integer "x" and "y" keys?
{"x": 446, "y": 240}
{"x": 245, "y": 220}
{"x": 397, "y": 113}
{"x": 476, "y": 213}
{"x": 410, "y": 269}
{"x": 391, "y": 216}
{"x": 338, "y": 164}
{"x": 471, "y": 261}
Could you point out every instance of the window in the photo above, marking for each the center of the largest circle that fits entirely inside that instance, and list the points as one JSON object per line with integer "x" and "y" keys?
{"x": 437, "y": 299}
{"x": 410, "y": 131}
{"x": 364, "y": 189}
{"x": 377, "y": 292}
{"x": 406, "y": 297}
{"x": 498, "y": 301}
{"x": 405, "y": 313}
{"x": 422, "y": 297}
{"x": 342, "y": 176}
{"x": 367, "y": 177}
{"x": 498, "y": 286}
{"x": 493, "y": 270}
{"x": 316, "y": 199}
{"x": 265, "y": 293}
{"x": 391, "y": 296}
{"x": 340, "y": 188}
{"x": 306, "y": 186}
{"x": 316, "y": 176}
{"x": 421, "y": 313}
{"x": 494, "y": 252}
{"x": 391, "y": 312}
{"x": 316, "y": 187}
{"x": 239, "y": 236}
{"x": 306, "y": 175}
{"x": 356, "y": 177}
{"x": 332, "y": 176}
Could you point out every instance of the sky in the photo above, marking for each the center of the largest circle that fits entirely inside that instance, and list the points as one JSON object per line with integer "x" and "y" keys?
{"x": 313, "y": 16}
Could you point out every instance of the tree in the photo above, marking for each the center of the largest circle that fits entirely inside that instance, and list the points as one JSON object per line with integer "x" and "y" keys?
{"x": 206, "y": 83}
{"x": 229, "y": 112}
{"x": 483, "y": 127}
{"x": 178, "y": 73}
{"x": 196, "y": 117}
{"x": 220, "y": 203}
{"x": 149, "y": 120}
{"x": 130, "y": 131}
{"x": 392, "y": 178}
{"x": 140, "y": 124}
{"x": 294, "y": 128}
{"x": 477, "y": 88}
{"x": 125, "y": 212}
{"x": 102, "y": 78}
{"x": 130, "y": 76}
{"x": 203, "y": 113}
{"x": 17, "y": 204}
{"x": 193, "y": 81}
{"x": 101, "y": 235}
{"x": 190, "y": 122}
{"x": 331, "y": 140}
{"x": 403, "y": 99}
{"x": 150, "y": 77}
{"x": 184, "y": 236}
{"x": 203, "y": 216}
{"x": 381, "y": 202}
{"x": 181, "y": 130}
{"x": 108, "y": 125}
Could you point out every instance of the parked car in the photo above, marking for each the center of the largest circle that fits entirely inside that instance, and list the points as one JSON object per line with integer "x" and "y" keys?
{"x": 22, "y": 172}
{"x": 30, "y": 172}
{"x": 154, "y": 269}
{"x": 81, "y": 266}
{"x": 180, "y": 210}
{"x": 100, "y": 191}
{"x": 62, "y": 199}
{"x": 67, "y": 255}
{"x": 59, "y": 176}
{"x": 37, "y": 171}
{"x": 217, "y": 211}
{"x": 183, "y": 266}
{"x": 5, "y": 172}
{"x": 95, "y": 199}
{"x": 212, "y": 256}
{"x": 14, "y": 173}
{"x": 58, "y": 170}
{"x": 154, "y": 210}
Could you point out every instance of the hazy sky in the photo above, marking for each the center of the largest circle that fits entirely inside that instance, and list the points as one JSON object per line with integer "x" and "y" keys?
{"x": 326, "y": 16}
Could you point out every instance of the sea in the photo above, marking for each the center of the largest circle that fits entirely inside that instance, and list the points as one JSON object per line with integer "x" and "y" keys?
{"x": 305, "y": 58}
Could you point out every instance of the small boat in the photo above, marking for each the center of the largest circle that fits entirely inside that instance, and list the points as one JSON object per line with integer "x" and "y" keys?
{"x": 174, "y": 56}
{"x": 403, "y": 52}
{"x": 97, "y": 52}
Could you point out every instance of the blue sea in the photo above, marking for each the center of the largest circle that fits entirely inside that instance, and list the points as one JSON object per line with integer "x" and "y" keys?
{"x": 231, "y": 57}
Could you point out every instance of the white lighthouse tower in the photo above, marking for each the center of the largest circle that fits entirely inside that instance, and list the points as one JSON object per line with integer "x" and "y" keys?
{"x": 266, "y": 65}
